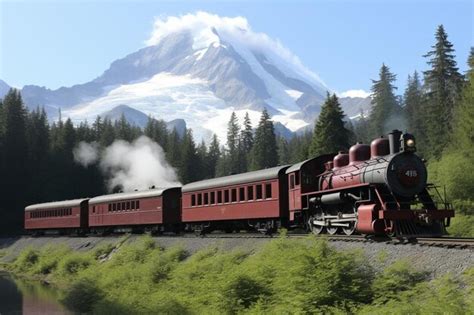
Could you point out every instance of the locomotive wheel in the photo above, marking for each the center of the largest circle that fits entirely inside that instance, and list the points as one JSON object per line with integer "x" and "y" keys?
{"x": 315, "y": 229}
{"x": 349, "y": 230}
{"x": 332, "y": 229}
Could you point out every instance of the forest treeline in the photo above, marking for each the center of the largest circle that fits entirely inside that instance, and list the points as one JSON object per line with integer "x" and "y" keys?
{"x": 37, "y": 162}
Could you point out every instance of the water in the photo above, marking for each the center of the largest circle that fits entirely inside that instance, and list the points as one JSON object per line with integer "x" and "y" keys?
{"x": 30, "y": 298}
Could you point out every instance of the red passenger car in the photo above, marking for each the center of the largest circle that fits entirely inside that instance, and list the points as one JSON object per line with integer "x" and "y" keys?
{"x": 253, "y": 200}
{"x": 65, "y": 216}
{"x": 153, "y": 210}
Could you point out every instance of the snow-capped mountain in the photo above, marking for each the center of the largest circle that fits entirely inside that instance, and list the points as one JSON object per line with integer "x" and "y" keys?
{"x": 197, "y": 67}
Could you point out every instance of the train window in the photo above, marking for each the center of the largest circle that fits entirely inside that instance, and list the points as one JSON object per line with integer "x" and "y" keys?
{"x": 268, "y": 191}
{"x": 128, "y": 205}
{"x": 133, "y": 204}
{"x": 241, "y": 194}
{"x": 119, "y": 206}
{"x": 138, "y": 204}
{"x": 110, "y": 207}
{"x": 114, "y": 207}
{"x": 234, "y": 194}
{"x": 206, "y": 198}
{"x": 226, "y": 195}
{"x": 199, "y": 199}
{"x": 249, "y": 192}
{"x": 297, "y": 178}
{"x": 123, "y": 205}
{"x": 213, "y": 197}
{"x": 219, "y": 196}
{"x": 292, "y": 181}
{"x": 193, "y": 200}
{"x": 259, "y": 191}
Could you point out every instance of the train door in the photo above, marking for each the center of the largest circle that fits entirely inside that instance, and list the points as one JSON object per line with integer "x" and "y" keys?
{"x": 291, "y": 191}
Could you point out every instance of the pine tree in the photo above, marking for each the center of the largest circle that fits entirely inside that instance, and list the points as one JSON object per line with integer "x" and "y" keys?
{"x": 188, "y": 171}
{"x": 283, "y": 152}
{"x": 213, "y": 156}
{"x": 463, "y": 134}
{"x": 233, "y": 144}
{"x": 38, "y": 142}
{"x": 107, "y": 136}
{"x": 123, "y": 129}
{"x": 415, "y": 110}
{"x": 443, "y": 84}
{"x": 156, "y": 130}
{"x": 330, "y": 134}
{"x": 265, "y": 150}
{"x": 173, "y": 149}
{"x": 15, "y": 162}
{"x": 385, "y": 109}
{"x": 201, "y": 163}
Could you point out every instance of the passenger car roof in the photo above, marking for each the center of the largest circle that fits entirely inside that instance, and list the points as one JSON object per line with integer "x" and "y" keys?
{"x": 249, "y": 177}
{"x": 56, "y": 204}
{"x": 157, "y": 192}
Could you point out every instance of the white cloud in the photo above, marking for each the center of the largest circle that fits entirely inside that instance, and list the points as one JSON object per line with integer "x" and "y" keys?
{"x": 355, "y": 93}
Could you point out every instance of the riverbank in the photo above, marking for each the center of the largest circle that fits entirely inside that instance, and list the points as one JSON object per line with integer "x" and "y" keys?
{"x": 140, "y": 275}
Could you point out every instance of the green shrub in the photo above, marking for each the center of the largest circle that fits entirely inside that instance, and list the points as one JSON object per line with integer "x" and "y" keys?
{"x": 82, "y": 295}
{"x": 73, "y": 263}
{"x": 394, "y": 279}
{"x": 241, "y": 292}
{"x": 26, "y": 260}
{"x": 462, "y": 225}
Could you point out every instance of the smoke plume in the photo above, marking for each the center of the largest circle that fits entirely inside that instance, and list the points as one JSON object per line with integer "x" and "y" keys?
{"x": 137, "y": 165}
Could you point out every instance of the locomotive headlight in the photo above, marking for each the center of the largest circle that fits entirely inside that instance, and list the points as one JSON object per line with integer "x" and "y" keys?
{"x": 410, "y": 143}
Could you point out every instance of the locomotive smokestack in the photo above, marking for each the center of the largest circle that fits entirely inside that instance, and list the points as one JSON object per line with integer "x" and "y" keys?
{"x": 394, "y": 141}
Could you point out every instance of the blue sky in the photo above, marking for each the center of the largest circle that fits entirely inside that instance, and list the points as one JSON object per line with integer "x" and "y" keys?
{"x": 61, "y": 43}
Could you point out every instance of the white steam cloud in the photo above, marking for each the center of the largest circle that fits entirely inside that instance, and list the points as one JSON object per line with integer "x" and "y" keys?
{"x": 137, "y": 165}
{"x": 86, "y": 153}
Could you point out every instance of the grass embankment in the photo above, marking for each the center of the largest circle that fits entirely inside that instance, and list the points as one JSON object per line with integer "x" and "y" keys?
{"x": 286, "y": 276}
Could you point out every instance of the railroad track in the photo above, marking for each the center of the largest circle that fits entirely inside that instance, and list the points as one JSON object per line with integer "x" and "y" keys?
{"x": 446, "y": 242}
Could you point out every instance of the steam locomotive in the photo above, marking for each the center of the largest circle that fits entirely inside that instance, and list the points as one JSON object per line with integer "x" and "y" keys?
{"x": 376, "y": 189}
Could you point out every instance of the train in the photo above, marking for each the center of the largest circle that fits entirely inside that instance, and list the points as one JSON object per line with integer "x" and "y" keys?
{"x": 376, "y": 189}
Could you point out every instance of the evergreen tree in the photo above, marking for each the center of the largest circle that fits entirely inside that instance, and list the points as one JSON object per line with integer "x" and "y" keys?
{"x": 213, "y": 156}
{"x": 443, "y": 84}
{"x": 329, "y": 135}
{"x": 246, "y": 137}
{"x": 414, "y": 109}
{"x": 385, "y": 108}
{"x": 265, "y": 150}
{"x": 107, "y": 136}
{"x": 283, "y": 152}
{"x": 98, "y": 128}
{"x": 222, "y": 167}
{"x": 173, "y": 149}
{"x": 463, "y": 133}
{"x": 188, "y": 171}
{"x": 156, "y": 130}
{"x": 123, "y": 129}
{"x": 38, "y": 142}
{"x": 233, "y": 144}
{"x": 15, "y": 162}
{"x": 201, "y": 163}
